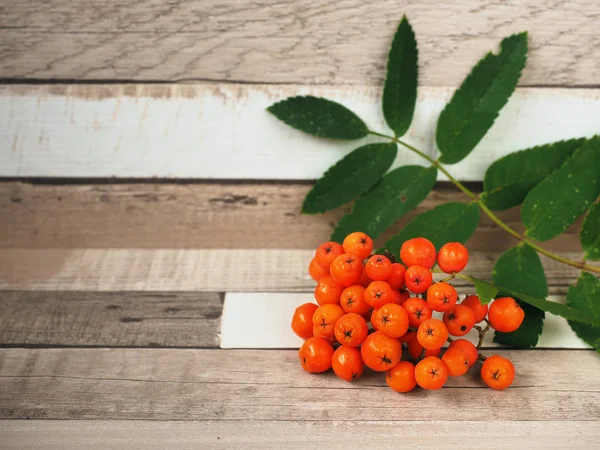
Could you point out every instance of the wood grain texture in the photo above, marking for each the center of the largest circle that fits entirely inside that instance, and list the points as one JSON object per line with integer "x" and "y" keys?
{"x": 258, "y": 270}
{"x": 222, "y": 131}
{"x": 270, "y": 385}
{"x": 206, "y": 215}
{"x": 334, "y": 435}
{"x": 110, "y": 319}
{"x": 303, "y": 41}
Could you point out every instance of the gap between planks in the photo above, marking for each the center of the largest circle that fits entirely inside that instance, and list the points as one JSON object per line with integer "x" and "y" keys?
{"x": 306, "y": 41}
{"x": 259, "y": 435}
{"x": 224, "y": 131}
{"x": 224, "y": 385}
{"x": 207, "y": 215}
{"x": 210, "y": 270}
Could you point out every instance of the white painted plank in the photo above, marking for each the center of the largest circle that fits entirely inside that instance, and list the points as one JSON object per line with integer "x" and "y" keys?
{"x": 262, "y": 320}
{"x": 333, "y": 435}
{"x": 223, "y": 131}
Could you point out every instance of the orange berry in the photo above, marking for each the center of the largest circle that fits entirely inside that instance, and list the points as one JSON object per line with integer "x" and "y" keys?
{"x": 418, "y": 311}
{"x": 497, "y": 372}
{"x": 328, "y": 291}
{"x": 380, "y": 352}
{"x": 327, "y": 252}
{"x": 505, "y": 314}
{"x": 399, "y": 297}
{"x": 415, "y": 349}
{"x": 315, "y": 355}
{"x": 432, "y": 334}
{"x": 456, "y": 360}
{"x": 358, "y": 244}
{"x": 396, "y": 279}
{"x": 441, "y": 297}
{"x": 315, "y": 271}
{"x": 323, "y": 334}
{"x": 346, "y": 269}
{"x": 302, "y": 323}
{"x": 379, "y": 268}
{"x": 409, "y": 336}
{"x": 324, "y": 320}
{"x": 378, "y": 293}
{"x": 364, "y": 279}
{"x": 373, "y": 319}
{"x": 459, "y": 320}
{"x": 401, "y": 377}
{"x": 347, "y": 363}
{"x": 472, "y": 301}
{"x": 467, "y": 347}
{"x": 431, "y": 373}
{"x": 418, "y": 252}
{"x": 353, "y": 300}
{"x": 453, "y": 257}
{"x": 351, "y": 330}
{"x": 418, "y": 279}
{"x": 391, "y": 320}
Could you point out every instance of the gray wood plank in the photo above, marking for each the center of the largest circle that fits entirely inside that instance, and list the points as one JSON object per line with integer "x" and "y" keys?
{"x": 207, "y": 215}
{"x": 305, "y": 41}
{"x": 207, "y": 270}
{"x": 110, "y": 319}
{"x": 262, "y": 385}
{"x": 334, "y": 435}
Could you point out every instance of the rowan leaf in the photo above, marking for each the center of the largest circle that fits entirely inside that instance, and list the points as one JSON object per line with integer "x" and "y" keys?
{"x": 585, "y": 296}
{"x": 485, "y": 290}
{"x": 319, "y": 117}
{"x": 478, "y": 101}
{"x": 400, "y": 89}
{"x": 556, "y": 202}
{"x": 400, "y": 191}
{"x": 520, "y": 270}
{"x": 590, "y": 233}
{"x": 508, "y": 180}
{"x": 450, "y": 222}
{"x": 350, "y": 177}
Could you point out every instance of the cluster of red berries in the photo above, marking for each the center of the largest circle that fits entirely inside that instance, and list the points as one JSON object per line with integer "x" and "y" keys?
{"x": 366, "y": 309}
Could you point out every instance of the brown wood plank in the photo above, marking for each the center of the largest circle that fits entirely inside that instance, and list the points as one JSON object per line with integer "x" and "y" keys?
{"x": 110, "y": 319}
{"x": 206, "y": 215}
{"x": 305, "y": 41}
{"x": 212, "y": 270}
{"x": 259, "y": 385}
{"x": 102, "y": 434}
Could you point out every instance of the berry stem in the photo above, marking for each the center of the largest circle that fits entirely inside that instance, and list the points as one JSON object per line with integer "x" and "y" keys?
{"x": 482, "y": 333}
{"x": 580, "y": 265}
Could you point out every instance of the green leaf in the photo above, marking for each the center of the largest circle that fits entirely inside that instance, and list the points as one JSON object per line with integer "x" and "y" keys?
{"x": 450, "y": 222}
{"x": 527, "y": 335}
{"x": 400, "y": 191}
{"x": 485, "y": 291}
{"x": 400, "y": 90}
{"x": 590, "y": 233}
{"x": 476, "y": 104}
{"x": 520, "y": 270}
{"x": 556, "y": 202}
{"x": 319, "y": 117}
{"x": 508, "y": 180}
{"x": 585, "y": 296}
{"x": 350, "y": 177}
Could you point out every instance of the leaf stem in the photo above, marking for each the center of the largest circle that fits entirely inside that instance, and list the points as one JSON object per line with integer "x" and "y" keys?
{"x": 580, "y": 265}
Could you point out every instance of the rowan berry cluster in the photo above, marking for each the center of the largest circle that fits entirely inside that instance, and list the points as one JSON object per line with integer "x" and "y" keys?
{"x": 369, "y": 313}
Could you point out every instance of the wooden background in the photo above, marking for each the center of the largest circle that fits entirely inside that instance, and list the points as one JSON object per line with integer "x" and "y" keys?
{"x": 144, "y": 189}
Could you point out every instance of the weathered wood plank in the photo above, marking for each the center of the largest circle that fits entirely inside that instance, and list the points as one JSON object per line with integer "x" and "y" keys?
{"x": 246, "y": 316}
{"x": 110, "y": 319}
{"x": 305, "y": 41}
{"x": 213, "y": 270}
{"x": 224, "y": 131}
{"x": 334, "y": 435}
{"x": 205, "y": 215}
{"x": 270, "y": 385}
